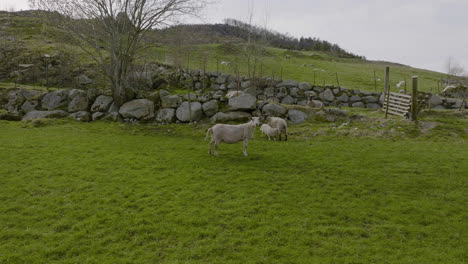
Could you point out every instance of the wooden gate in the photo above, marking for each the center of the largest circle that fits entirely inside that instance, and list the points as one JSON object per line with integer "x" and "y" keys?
{"x": 397, "y": 104}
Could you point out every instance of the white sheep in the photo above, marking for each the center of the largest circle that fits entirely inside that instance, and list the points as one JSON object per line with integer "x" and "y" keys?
{"x": 280, "y": 124}
{"x": 231, "y": 134}
{"x": 269, "y": 131}
{"x": 400, "y": 84}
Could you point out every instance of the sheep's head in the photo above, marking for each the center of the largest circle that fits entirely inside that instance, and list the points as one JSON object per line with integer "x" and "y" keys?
{"x": 256, "y": 121}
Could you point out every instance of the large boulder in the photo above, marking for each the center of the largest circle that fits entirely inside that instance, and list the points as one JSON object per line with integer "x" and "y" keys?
{"x": 243, "y": 102}
{"x": 288, "y": 100}
{"x": 272, "y": 109}
{"x": 327, "y": 95}
{"x": 170, "y": 101}
{"x": 166, "y": 116}
{"x": 82, "y": 116}
{"x": 305, "y": 86}
{"x": 435, "y": 101}
{"x": 79, "y": 102}
{"x": 141, "y": 109}
{"x": 210, "y": 108}
{"x": 189, "y": 111}
{"x": 54, "y": 100}
{"x": 45, "y": 114}
{"x": 29, "y": 106}
{"x": 297, "y": 117}
{"x": 98, "y": 116}
{"x": 230, "y": 116}
{"x": 102, "y": 103}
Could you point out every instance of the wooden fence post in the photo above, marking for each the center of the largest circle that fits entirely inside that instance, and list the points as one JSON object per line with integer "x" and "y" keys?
{"x": 414, "y": 104}
{"x": 387, "y": 89}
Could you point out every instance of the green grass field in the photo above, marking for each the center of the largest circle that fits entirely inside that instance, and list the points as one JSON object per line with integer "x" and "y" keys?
{"x": 117, "y": 193}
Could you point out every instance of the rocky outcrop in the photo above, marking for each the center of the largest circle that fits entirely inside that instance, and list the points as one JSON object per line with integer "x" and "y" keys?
{"x": 141, "y": 109}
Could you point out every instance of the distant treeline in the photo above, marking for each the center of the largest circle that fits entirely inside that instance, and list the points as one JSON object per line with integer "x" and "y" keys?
{"x": 233, "y": 29}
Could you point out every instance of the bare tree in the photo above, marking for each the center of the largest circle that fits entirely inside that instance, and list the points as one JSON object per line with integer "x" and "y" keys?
{"x": 111, "y": 31}
{"x": 454, "y": 69}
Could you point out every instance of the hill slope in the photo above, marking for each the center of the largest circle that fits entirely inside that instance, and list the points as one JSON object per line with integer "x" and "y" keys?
{"x": 25, "y": 39}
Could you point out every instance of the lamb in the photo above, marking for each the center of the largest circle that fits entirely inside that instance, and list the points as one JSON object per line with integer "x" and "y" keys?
{"x": 231, "y": 134}
{"x": 269, "y": 131}
{"x": 280, "y": 124}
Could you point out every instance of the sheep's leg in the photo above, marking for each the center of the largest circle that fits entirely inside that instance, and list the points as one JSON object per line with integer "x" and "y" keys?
{"x": 245, "y": 148}
{"x": 210, "y": 146}
{"x": 216, "y": 149}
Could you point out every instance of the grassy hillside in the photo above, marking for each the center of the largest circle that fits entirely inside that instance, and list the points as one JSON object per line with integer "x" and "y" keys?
{"x": 112, "y": 193}
{"x": 315, "y": 67}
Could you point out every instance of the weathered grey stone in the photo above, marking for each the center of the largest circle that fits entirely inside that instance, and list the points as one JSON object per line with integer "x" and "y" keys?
{"x": 318, "y": 89}
{"x": 221, "y": 80}
{"x": 142, "y": 109}
{"x": 113, "y": 108}
{"x": 80, "y": 102}
{"x": 343, "y": 98}
{"x": 204, "y": 98}
{"x": 272, "y": 109}
{"x": 166, "y": 116}
{"x": 295, "y": 92}
{"x": 55, "y": 100}
{"x": 435, "y": 100}
{"x": 29, "y": 106}
{"x": 371, "y": 99}
{"x": 358, "y": 105}
{"x": 113, "y": 116}
{"x": 155, "y": 97}
{"x": 288, "y": 100}
{"x": 355, "y": 98}
{"x": 32, "y": 94}
{"x": 98, "y": 116}
{"x": 45, "y": 114}
{"x": 327, "y": 95}
{"x": 336, "y": 91}
{"x": 251, "y": 90}
{"x": 243, "y": 102}
{"x": 215, "y": 86}
{"x": 189, "y": 112}
{"x": 82, "y": 116}
{"x": 223, "y": 87}
{"x": 170, "y": 101}
{"x": 75, "y": 92}
{"x": 316, "y": 104}
{"x": 83, "y": 80}
{"x": 288, "y": 83}
{"x": 232, "y": 86}
{"x": 93, "y": 94}
{"x": 269, "y": 92}
{"x": 230, "y": 116}
{"x": 302, "y": 102}
{"x": 190, "y": 97}
{"x": 102, "y": 103}
{"x": 210, "y": 108}
{"x": 305, "y": 86}
{"x": 297, "y": 117}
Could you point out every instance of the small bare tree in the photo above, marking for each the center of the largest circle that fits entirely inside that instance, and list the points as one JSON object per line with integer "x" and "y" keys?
{"x": 111, "y": 31}
{"x": 454, "y": 69}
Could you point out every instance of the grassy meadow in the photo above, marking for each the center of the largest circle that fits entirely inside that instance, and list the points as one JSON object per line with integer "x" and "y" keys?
{"x": 119, "y": 193}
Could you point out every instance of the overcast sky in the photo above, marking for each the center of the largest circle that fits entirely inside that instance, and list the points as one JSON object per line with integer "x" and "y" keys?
{"x": 420, "y": 33}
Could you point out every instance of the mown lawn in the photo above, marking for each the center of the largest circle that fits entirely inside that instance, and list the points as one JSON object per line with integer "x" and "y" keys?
{"x": 114, "y": 193}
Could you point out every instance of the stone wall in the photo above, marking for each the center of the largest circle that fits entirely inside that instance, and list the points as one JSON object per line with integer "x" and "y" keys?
{"x": 217, "y": 96}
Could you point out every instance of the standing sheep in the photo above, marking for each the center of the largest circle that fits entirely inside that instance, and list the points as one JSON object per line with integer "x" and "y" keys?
{"x": 269, "y": 131}
{"x": 231, "y": 134}
{"x": 280, "y": 124}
